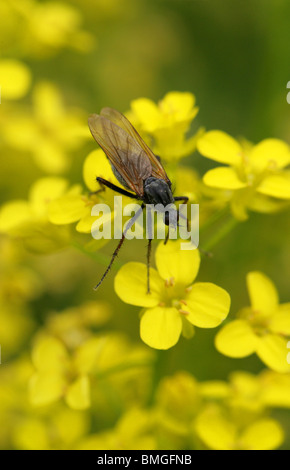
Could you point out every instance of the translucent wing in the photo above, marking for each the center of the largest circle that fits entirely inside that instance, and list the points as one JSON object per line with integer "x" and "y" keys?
{"x": 126, "y": 156}
{"x": 121, "y": 121}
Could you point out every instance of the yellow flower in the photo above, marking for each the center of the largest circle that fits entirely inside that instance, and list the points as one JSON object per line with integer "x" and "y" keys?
{"x": 55, "y": 376}
{"x": 34, "y": 28}
{"x": 255, "y": 393}
{"x": 56, "y": 428}
{"x": 167, "y": 123}
{"x": 134, "y": 431}
{"x": 262, "y": 328}
{"x": 76, "y": 376}
{"x": 15, "y": 79}
{"x": 179, "y": 396}
{"x": 74, "y": 325}
{"x": 51, "y": 133}
{"x": 54, "y": 25}
{"x": 175, "y": 304}
{"x": 74, "y": 206}
{"x": 254, "y": 174}
{"x": 219, "y": 430}
{"x": 28, "y": 220}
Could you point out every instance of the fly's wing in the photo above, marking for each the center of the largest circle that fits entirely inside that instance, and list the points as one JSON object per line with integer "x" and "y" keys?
{"x": 121, "y": 121}
{"x": 124, "y": 153}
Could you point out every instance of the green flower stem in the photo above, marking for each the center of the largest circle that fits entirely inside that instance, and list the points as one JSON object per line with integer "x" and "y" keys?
{"x": 214, "y": 218}
{"x": 220, "y": 233}
{"x": 100, "y": 258}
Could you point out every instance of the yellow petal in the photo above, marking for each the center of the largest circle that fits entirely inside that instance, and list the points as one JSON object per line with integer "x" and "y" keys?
{"x": 220, "y": 147}
{"x": 131, "y": 285}
{"x": 262, "y": 292}
{"x": 71, "y": 425}
{"x": 216, "y": 431}
{"x": 49, "y": 354}
{"x": 172, "y": 262}
{"x": 277, "y": 185}
{"x": 31, "y": 434}
{"x": 67, "y": 209}
{"x": 97, "y": 164}
{"x": 223, "y": 178}
{"x": 179, "y": 104}
{"x": 48, "y": 103}
{"x": 280, "y": 321}
{"x": 78, "y": 394}
{"x": 46, "y": 388}
{"x": 266, "y": 204}
{"x": 273, "y": 153}
{"x": 86, "y": 223}
{"x": 275, "y": 389}
{"x": 215, "y": 389}
{"x": 160, "y": 327}
{"x": 236, "y": 339}
{"x": 50, "y": 156}
{"x": 207, "y": 304}
{"x": 87, "y": 356}
{"x": 13, "y": 214}
{"x": 147, "y": 113}
{"x": 266, "y": 434}
{"x": 272, "y": 350}
{"x": 44, "y": 191}
{"x": 15, "y": 79}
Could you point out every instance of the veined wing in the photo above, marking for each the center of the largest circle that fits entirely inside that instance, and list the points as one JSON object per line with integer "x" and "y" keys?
{"x": 124, "y": 153}
{"x": 121, "y": 121}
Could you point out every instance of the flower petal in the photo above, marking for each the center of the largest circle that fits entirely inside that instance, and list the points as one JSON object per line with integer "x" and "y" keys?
{"x": 160, "y": 327}
{"x": 272, "y": 350}
{"x": 97, "y": 164}
{"x": 207, "y": 304}
{"x": 46, "y": 388}
{"x": 265, "y": 434}
{"x": 280, "y": 321}
{"x": 215, "y": 430}
{"x": 67, "y": 209}
{"x": 49, "y": 354}
{"x": 262, "y": 292}
{"x": 78, "y": 394}
{"x": 220, "y": 147}
{"x": 273, "y": 152}
{"x": 223, "y": 178}
{"x": 13, "y": 214}
{"x": 15, "y": 79}
{"x": 172, "y": 262}
{"x": 147, "y": 113}
{"x": 131, "y": 285}
{"x": 236, "y": 339}
{"x": 277, "y": 185}
{"x": 44, "y": 191}
{"x": 179, "y": 106}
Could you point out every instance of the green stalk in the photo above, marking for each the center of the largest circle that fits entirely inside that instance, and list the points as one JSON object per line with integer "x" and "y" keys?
{"x": 100, "y": 258}
{"x": 220, "y": 233}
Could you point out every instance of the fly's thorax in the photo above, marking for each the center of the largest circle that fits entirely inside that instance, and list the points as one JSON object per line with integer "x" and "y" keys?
{"x": 157, "y": 191}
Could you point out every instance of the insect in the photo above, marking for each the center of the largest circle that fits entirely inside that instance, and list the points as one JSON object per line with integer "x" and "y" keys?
{"x": 135, "y": 166}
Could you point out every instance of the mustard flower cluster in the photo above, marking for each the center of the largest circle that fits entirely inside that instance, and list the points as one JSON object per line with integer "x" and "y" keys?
{"x": 73, "y": 378}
